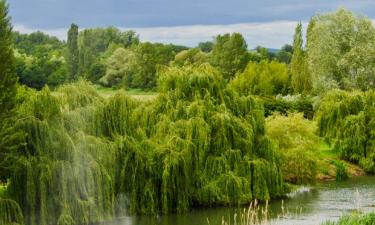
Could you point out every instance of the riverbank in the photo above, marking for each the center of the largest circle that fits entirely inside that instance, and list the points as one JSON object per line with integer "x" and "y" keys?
{"x": 327, "y": 201}
{"x": 354, "y": 219}
{"x": 328, "y": 161}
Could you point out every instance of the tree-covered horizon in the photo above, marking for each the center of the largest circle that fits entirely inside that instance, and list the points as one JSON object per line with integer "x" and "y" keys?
{"x": 225, "y": 125}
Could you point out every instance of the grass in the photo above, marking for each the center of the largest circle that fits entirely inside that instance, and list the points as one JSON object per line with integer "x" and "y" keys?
{"x": 328, "y": 159}
{"x": 254, "y": 215}
{"x": 135, "y": 93}
{"x": 354, "y": 219}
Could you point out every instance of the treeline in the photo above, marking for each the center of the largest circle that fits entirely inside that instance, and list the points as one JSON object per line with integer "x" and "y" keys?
{"x": 336, "y": 54}
{"x": 114, "y": 58}
{"x": 228, "y": 126}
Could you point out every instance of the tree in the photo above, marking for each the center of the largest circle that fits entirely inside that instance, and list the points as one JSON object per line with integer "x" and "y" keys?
{"x": 120, "y": 67}
{"x": 73, "y": 53}
{"x": 340, "y": 51}
{"x": 348, "y": 119}
{"x": 192, "y": 56}
{"x": 229, "y": 54}
{"x": 285, "y": 54}
{"x": 206, "y": 46}
{"x": 40, "y": 69}
{"x": 8, "y": 88}
{"x": 149, "y": 56}
{"x": 264, "y": 78}
{"x": 297, "y": 143}
{"x": 301, "y": 81}
{"x": 93, "y": 43}
{"x": 30, "y": 43}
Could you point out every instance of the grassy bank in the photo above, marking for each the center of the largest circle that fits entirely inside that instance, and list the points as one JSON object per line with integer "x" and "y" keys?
{"x": 329, "y": 164}
{"x": 137, "y": 94}
{"x": 354, "y": 219}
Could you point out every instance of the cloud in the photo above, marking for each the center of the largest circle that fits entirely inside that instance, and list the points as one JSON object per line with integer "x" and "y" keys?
{"x": 270, "y": 34}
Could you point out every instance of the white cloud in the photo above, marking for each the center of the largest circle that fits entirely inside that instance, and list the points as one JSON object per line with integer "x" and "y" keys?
{"x": 269, "y": 34}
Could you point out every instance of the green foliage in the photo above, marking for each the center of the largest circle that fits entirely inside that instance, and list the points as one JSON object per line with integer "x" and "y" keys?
{"x": 8, "y": 79}
{"x": 85, "y": 159}
{"x": 354, "y": 219}
{"x": 192, "y": 56}
{"x": 39, "y": 60}
{"x": 8, "y": 91}
{"x": 10, "y": 212}
{"x": 206, "y": 46}
{"x": 264, "y": 54}
{"x": 93, "y": 43}
{"x": 340, "y": 51}
{"x": 120, "y": 68}
{"x": 288, "y": 104}
{"x": 149, "y": 56}
{"x": 36, "y": 42}
{"x": 301, "y": 80}
{"x": 297, "y": 144}
{"x": 229, "y": 54}
{"x": 264, "y": 78}
{"x": 285, "y": 54}
{"x": 348, "y": 118}
{"x": 3, "y": 191}
{"x": 73, "y": 54}
{"x": 61, "y": 173}
{"x": 341, "y": 171}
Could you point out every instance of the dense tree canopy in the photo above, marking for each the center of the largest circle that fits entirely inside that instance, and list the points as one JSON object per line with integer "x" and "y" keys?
{"x": 198, "y": 143}
{"x": 348, "y": 118}
{"x": 8, "y": 91}
{"x": 229, "y": 54}
{"x": 264, "y": 78}
{"x": 225, "y": 125}
{"x": 298, "y": 143}
{"x": 92, "y": 43}
{"x": 120, "y": 68}
{"x": 206, "y": 46}
{"x": 340, "y": 51}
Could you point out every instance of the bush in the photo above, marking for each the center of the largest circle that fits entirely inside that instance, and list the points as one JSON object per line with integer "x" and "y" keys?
{"x": 297, "y": 142}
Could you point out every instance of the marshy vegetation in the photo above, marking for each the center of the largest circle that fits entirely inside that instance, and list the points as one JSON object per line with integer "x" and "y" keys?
{"x": 219, "y": 125}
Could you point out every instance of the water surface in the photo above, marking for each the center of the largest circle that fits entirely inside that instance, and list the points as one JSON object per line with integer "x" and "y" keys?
{"x": 325, "y": 201}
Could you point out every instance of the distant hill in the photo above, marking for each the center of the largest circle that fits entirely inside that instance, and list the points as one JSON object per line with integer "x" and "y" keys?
{"x": 272, "y": 50}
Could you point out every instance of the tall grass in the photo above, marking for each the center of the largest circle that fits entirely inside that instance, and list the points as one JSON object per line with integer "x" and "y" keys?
{"x": 354, "y": 219}
{"x": 257, "y": 214}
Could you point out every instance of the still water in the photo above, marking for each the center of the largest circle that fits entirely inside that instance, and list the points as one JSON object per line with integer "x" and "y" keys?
{"x": 308, "y": 206}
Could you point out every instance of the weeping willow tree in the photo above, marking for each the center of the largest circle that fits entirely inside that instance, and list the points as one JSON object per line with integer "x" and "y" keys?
{"x": 62, "y": 173}
{"x": 10, "y": 212}
{"x": 348, "y": 118}
{"x": 198, "y": 143}
{"x": 85, "y": 159}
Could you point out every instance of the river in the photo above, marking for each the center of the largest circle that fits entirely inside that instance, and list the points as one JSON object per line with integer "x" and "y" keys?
{"x": 309, "y": 206}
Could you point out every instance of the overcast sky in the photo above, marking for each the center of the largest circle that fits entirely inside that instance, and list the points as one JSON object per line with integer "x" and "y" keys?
{"x": 268, "y": 23}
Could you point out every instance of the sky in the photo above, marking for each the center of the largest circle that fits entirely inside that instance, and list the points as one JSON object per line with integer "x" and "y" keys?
{"x": 268, "y": 23}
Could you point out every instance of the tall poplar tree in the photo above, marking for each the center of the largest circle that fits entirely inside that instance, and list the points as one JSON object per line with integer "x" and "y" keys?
{"x": 301, "y": 81}
{"x": 73, "y": 52}
{"x": 8, "y": 86}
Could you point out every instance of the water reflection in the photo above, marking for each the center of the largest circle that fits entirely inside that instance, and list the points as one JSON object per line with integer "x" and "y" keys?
{"x": 325, "y": 201}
